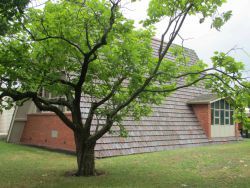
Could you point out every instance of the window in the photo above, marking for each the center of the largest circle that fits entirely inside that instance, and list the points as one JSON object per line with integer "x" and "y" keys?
{"x": 45, "y": 94}
{"x": 221, "y": 113}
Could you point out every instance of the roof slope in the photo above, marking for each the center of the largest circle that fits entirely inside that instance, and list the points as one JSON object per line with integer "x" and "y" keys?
{"x": 172, "y": 124}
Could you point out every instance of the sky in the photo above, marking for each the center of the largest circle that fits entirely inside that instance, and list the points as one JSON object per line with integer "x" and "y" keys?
{"x": 200, "y": 37}
{"x": 204, "y": 40}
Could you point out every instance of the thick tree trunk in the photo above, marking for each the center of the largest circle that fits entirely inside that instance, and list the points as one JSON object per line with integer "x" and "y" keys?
{"x": 85, "y": 156}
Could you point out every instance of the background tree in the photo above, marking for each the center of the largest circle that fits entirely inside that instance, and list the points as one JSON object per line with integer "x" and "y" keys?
{"x": 74, "y": 48}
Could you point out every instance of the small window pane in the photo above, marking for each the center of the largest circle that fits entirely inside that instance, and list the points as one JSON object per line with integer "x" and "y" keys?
{"x": 227, "y": 105}
{"x": 217, "y": 104}
{"x": 222, "y": 117}
{"x": 227, "y": 121}
{"x": 222, "y": 102}
{"x": 231, "y": 107}
{"x": 226, "y": 113}
{"x": 212, "y": 105}
{"x": 217, "y": 121}
{"x": 217, "y": 114}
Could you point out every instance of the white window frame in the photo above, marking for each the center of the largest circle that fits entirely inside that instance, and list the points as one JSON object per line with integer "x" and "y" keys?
{"x": 218, "y": 110}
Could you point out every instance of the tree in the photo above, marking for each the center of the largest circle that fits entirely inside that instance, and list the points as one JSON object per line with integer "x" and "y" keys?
{"x": 72, "y": 48}
{"x": 9, "y": 10}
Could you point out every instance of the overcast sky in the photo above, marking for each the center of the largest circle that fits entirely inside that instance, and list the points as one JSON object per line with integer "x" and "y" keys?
{"x": 204, "y": 40}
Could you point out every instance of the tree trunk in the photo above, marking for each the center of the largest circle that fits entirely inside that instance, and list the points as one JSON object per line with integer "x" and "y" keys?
{"x": 85, "y": 156}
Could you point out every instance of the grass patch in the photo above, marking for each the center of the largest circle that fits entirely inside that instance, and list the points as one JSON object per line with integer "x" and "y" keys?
{"x": 226, "y": 165}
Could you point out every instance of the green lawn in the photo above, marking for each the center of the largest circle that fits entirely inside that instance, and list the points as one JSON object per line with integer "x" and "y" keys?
{"x": 226, "y": 165}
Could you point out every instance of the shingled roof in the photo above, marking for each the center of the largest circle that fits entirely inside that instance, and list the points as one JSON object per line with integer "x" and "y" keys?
{"x": 172, "y": 124}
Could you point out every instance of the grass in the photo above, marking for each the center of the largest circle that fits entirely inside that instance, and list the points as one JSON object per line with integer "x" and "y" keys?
{"x": 226, "y": 165}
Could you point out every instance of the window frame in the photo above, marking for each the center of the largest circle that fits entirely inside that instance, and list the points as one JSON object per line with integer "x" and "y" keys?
{"x": 217, "y": 108}
{"x": 48, "y": 95}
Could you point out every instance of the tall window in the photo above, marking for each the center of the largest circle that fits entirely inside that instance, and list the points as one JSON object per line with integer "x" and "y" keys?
{"x": 222, "y": 113}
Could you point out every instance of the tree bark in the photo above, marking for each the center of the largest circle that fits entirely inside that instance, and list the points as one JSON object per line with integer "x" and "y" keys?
{"x": 85, "y": 156}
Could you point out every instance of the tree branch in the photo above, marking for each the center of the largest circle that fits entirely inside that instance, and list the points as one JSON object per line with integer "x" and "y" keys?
{"x": 102, "y": 42}
{"x": 102, "y": 131}
{"x": 154, "y": 73}
{"x": 63, "y": 82}
{"x": 43, "y": 105}
{"x": 59, "y": 101}
{"x": 232, "y": 77}
{"x": 87, "y": 36}
{"x": 94, "y": 106}
{"x": 52, "y": 37}
{"x": 176, "y": 32}
{"x": 88, "y": 59}
{"x": 16, "y": 95}
{"x": 189, "y": 84}
{"x": 112, "y": 92}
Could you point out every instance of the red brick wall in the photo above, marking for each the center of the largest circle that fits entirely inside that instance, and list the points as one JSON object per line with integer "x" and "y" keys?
{"x": 38, "y": 128}
{"x": 203, "y": 114}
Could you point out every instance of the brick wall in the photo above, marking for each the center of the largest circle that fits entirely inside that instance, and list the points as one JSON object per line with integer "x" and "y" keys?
{"x": 203, "y": 114}
{"x": 46, "y": 129}
{"x": 153, "y": 134}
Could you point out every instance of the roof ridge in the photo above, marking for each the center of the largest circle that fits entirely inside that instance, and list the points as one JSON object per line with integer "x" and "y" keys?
{"x": 159, "y": 40}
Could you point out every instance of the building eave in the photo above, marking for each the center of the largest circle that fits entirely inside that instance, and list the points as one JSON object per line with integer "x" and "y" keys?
{"x": 204, "y": 99}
